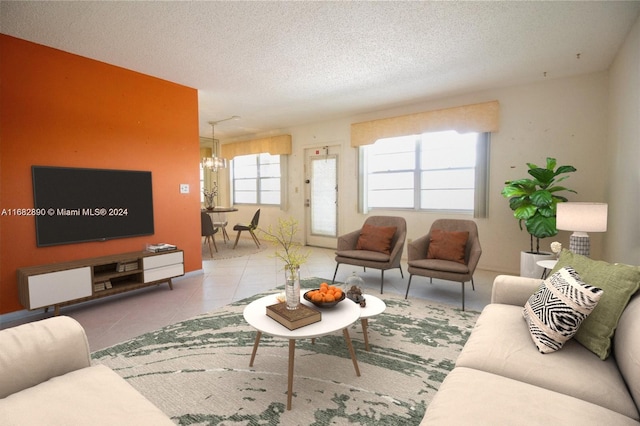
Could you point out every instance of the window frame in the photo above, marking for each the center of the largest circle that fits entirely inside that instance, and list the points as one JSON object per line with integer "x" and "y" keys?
{"x": 480, "y": 171}
{"x": 258, "y": 191}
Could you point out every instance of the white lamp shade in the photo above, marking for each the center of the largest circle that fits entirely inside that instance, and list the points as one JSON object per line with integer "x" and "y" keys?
{"x": 581, "y": 217}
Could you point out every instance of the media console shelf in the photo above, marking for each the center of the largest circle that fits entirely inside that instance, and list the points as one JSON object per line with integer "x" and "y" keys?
{"x": 66, "y": 283}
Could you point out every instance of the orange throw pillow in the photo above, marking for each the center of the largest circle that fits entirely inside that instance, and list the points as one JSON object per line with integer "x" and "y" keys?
{"x": 446, "y": 245}
{"x": 376, "y": 238}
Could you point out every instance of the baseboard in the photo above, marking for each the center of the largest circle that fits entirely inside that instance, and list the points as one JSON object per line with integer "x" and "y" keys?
{"x": 8, "y": 320}
{"x": 19, "y": 317}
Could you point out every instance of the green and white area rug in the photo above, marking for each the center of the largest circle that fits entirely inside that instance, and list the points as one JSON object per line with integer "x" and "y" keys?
{"x": 197, "y": 371}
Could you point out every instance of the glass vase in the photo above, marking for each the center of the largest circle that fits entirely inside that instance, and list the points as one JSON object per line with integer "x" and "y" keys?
{"x": 209, "y": 202}
{"x": 292, "y": 287}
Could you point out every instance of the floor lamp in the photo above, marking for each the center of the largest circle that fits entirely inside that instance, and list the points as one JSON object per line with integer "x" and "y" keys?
{"x": 581, "y": 218}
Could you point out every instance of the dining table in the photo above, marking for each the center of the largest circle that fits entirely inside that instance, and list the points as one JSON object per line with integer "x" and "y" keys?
{"x": 221, "y": 222}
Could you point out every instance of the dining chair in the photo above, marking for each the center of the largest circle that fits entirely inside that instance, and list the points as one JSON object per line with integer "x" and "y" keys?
{"x": 208, "y": 231}
{"x": 251, "y": 227}
{"x": 221, "y": 224}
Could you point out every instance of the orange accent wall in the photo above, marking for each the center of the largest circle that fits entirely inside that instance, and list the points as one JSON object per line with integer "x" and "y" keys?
{"x": 61, "y": 109}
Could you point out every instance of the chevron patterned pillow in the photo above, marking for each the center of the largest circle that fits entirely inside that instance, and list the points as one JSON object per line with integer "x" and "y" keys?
{"x": 554, "y": 312}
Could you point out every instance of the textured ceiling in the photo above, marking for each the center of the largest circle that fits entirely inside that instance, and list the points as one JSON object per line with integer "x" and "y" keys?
{"x": 282, "y": 64}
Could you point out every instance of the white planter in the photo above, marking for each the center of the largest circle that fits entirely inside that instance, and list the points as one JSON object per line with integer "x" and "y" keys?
{"x": 529, "y": 263}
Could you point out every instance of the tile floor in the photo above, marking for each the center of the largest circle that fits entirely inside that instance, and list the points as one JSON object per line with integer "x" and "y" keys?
{"x": 118, "y": 318}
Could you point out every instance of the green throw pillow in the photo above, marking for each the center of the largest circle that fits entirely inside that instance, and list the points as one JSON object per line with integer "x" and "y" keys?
{"x": 619, "y": 283}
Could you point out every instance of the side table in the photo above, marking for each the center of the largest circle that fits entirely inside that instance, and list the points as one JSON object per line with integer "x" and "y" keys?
{"x": 547, "y": 266}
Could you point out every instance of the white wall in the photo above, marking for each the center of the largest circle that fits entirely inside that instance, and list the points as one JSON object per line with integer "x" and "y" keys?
{"x": 622, "y": 240}
{"x": 564, "y": 118}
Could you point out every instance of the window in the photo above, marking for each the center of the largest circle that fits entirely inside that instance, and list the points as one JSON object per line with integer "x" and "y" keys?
{"x": 256, "y": 179}
{"x": 443, "y": 171}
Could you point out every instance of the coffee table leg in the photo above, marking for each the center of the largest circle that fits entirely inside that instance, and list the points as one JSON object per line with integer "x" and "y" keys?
{"x": 255, "y": 348}
{"x": 351, "y": 351}
{"x": 292, "y": 350}
{"x": 365, "y": 332}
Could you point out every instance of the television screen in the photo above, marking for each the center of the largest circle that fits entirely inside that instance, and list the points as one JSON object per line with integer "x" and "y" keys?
{"x": 76, "y": 205}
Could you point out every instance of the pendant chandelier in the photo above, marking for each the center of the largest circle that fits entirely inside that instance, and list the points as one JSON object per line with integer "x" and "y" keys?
{"x": 216, "y": 162}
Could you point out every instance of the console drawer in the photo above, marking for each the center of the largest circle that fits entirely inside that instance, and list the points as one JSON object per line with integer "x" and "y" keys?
{"x": 163, "y": 272}
{"x": 160, "y": 260}
{"x": 56, "y": 287}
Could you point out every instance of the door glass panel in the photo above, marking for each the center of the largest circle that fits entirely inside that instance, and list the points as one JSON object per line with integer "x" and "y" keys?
{"x": 323, "y": 196}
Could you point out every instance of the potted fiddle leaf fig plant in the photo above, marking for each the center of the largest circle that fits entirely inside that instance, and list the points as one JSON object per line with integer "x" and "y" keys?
{"x": 534, "y": 200}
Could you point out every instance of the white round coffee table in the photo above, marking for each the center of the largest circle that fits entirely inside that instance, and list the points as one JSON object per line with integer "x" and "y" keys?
{"x": 374, "y": 306}
{"x": 334, "y": 319}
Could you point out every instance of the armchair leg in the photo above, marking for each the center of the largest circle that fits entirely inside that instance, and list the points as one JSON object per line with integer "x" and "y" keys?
{"x": 473, "y": 287}
{"x": 463, "y": 295}
{"x": 401, "y": 274}
{"x": 408, "y": 285}
{"x": 335, "y": 273}
{"x": 381, "y": 280}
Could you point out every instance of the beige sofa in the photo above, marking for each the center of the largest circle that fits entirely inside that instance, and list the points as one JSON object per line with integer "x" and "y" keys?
{"x": 500, "y": 378}
{"x": 46, "y": 378}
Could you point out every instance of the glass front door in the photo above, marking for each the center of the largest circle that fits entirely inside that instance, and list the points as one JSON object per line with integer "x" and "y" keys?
{"x": 321, "y": 197}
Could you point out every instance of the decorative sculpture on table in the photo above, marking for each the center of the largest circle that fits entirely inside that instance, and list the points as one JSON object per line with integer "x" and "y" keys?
{"x": 353, "y": 287}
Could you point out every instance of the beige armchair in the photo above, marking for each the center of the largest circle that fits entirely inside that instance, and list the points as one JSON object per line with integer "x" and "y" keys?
{"x": 378, "y": 245}
{"x": 452, "y": 256}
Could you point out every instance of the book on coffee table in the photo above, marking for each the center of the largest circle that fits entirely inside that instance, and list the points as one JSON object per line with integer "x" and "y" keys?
{"x": 295, "y": 318}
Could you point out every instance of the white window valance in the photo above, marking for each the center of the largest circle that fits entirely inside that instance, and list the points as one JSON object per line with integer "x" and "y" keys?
{"x": 274, "y": 145}
{"x": 482, "y": 117}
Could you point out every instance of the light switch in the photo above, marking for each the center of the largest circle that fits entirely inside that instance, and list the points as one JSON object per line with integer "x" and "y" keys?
{"x": 184, "y": 188}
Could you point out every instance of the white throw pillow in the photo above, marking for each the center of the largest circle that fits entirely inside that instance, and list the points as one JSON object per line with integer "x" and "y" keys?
{"x": 554, "y": 312}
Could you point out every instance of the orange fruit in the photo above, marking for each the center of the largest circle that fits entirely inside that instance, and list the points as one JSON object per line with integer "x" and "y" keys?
{"x": 326, "y": 293}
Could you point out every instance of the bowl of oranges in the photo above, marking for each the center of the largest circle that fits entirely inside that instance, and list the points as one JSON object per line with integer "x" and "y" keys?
{"x": 327, "y": 296}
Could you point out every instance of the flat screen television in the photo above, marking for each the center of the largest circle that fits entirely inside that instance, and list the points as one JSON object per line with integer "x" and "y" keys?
{"x": 75, "y": 205}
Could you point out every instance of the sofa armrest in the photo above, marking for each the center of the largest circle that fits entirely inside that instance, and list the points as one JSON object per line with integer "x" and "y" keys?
{"x": 34, "y": 353}
{"x": 513, "y": 290}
